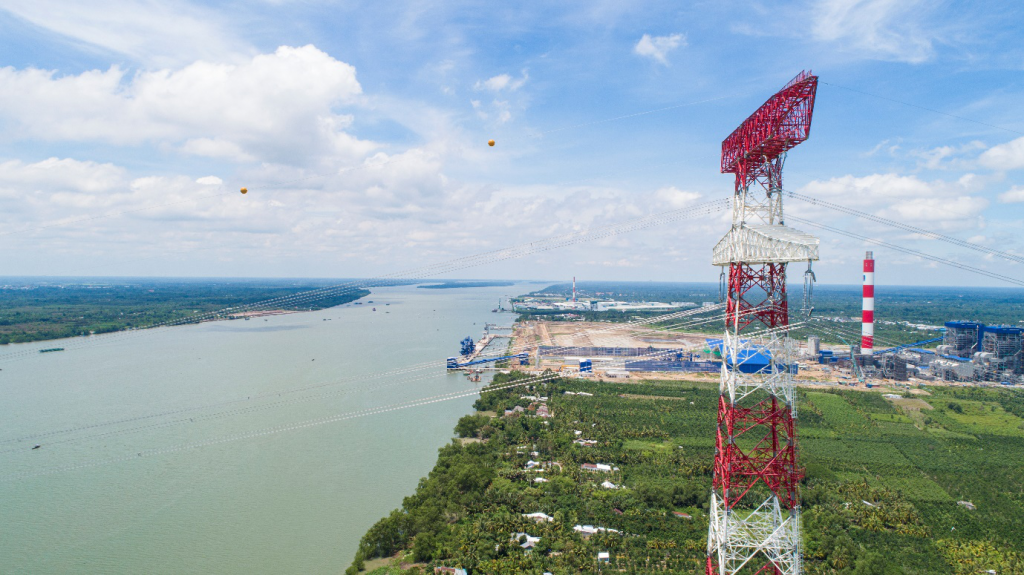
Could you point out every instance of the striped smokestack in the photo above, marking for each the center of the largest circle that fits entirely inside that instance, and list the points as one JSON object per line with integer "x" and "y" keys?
{"x": 867, "y": 339}
{"x": 573, "y": 289}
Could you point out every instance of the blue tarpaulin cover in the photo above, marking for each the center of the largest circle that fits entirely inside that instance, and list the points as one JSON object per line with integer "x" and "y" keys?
{"x": 752, "y": 359}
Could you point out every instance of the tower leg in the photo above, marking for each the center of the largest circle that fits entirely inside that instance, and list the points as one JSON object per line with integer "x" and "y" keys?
{"x": 756, "y": 437}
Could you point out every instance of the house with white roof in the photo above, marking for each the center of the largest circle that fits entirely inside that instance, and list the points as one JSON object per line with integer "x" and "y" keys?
{"x": 525, "y": 540}
{"x": 539, "y": 517}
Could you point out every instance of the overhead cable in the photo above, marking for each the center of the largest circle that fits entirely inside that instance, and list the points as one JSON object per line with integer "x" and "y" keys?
{"x": 934, "y": 111}
{"x": 465, "y": 262}
{"x": 332, "y": 419}
{"x": 400, "y": 374}
{"x": 907, "y": 227}
{"x": 909, "y": 251}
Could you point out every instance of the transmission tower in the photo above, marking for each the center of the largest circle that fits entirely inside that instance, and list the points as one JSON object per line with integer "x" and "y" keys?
{"x": 755, "y": 502}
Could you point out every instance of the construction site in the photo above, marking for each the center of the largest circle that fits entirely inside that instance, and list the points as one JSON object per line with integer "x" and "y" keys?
{"x": 957, "y": 353}
{"x": 755, "y": 506}
{"x": 626, "y": 351}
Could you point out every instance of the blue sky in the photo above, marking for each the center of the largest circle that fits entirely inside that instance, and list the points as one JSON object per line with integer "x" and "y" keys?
{"x": 361, "y": 130}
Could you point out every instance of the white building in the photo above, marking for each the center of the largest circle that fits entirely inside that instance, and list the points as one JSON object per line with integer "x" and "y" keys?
{"x": 539, "y": 517}
{"x": 588, "y": 530}
{"x": 529, "y": 541}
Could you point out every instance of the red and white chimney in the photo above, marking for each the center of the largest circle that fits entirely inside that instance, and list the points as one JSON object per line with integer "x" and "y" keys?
{"x": 867, "y": 334}
{"x": 573, "y": 289}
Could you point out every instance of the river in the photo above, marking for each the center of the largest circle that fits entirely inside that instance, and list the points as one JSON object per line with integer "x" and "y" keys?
{"x": 187, "y": 449}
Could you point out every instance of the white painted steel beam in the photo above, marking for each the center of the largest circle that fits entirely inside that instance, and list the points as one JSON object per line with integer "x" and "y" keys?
{"x": 762, "y": 244}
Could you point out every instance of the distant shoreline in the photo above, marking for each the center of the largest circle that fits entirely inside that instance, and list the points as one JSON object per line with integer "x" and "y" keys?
{"x": 458, "y": 284}
{"x": 263, "y": 313}
{"x": 44, "y": 312}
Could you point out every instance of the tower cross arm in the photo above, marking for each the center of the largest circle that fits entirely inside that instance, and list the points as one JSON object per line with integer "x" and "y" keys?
{"x": 764, "y": 244}
{"x": 780, "y": 124}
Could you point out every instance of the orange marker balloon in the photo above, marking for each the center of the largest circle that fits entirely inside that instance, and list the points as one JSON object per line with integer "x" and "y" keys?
{"x": 490, "y": 143}
{"x": 245, "y": 190}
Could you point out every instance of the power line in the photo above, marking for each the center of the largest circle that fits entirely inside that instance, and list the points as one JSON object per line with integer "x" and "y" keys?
{"x": 336, "y": 418}
{"x": 695, "y": 321}
{"x": 380, "y": 375}
{"x": 65, "y": 222}
{"x": 464, "y": 262}
{"x": 633, "y": 115}
{"x": 934, "y": 111}
{"x": 909, "y": 251}
{"x": 907, "y": 227}
{"x": 368, "y": 163}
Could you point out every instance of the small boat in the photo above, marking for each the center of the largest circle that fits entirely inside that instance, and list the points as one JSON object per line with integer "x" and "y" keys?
{"x": 37, "y": 447}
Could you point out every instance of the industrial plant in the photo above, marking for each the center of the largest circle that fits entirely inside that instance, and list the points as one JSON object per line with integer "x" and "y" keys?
{"x": 754, "y": 510}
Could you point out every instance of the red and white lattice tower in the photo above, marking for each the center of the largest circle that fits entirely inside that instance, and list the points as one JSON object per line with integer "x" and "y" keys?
{"x": 755, "y": 502}
{"x": 867, "y": 330}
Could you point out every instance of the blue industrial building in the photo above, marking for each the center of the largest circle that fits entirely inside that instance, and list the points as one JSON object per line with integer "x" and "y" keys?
{"x": 752, "y": 359}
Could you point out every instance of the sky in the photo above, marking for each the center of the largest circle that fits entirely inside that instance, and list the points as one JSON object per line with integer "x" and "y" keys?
{"x": 360, "y": 129}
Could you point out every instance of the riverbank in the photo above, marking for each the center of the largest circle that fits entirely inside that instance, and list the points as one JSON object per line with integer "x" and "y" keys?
{"x": 253, "y": 435}
{"x": 42, "y": 309}
{"x": 617, "y": 476}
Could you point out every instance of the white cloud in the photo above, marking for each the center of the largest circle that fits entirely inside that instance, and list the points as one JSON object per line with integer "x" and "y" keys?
{"x": 947, "y": 157}
{"x": 274, "y": 107}
{"x": 392, "y": 211}
{"x": 936, "y": 205}
{"x": 504, "y": 113}
{"x": 62, "y": 175}
{"x": 97, "y": 204}
{"x": 1013, "y": 196}
{"x": 1008, "y": 156}
{"x": 675, "y": 198}
{"x": 502, "y": 82}
{"x": 500, "y": 110}
{"x": 216, "y": 148}
{"x": 166, "y": 33}
{"x": 884, "y": 29}
{"x": 478, "y": 107}
{"x": 941, "y": 211}
{"x": 658, "y": 47}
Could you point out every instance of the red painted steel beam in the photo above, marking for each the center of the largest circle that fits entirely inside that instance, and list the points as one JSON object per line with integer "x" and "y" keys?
{"x": 780, "y": 124}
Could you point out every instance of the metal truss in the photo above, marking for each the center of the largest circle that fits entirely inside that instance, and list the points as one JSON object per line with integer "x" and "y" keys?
{"x": 764, "y": 207}
{"x": 765, "y": 533}
{"x": 777, "y": 380}
{"x": 755, "y": 506}
{"x": 764, "y": 244}
{"x": 755, "y": 503}
{"x": 780, "y": 124}
{"x": 756, "y": 293}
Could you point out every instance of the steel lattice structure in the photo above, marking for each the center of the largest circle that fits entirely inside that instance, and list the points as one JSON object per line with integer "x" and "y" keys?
{"x": 755, "y": 503}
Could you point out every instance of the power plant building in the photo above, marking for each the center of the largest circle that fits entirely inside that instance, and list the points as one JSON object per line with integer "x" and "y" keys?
{"x": 994, "y": 352}
{"x": 962, "y": 338}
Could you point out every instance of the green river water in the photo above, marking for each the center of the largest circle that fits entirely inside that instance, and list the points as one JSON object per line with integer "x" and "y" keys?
{"x": 187, "y": 450}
